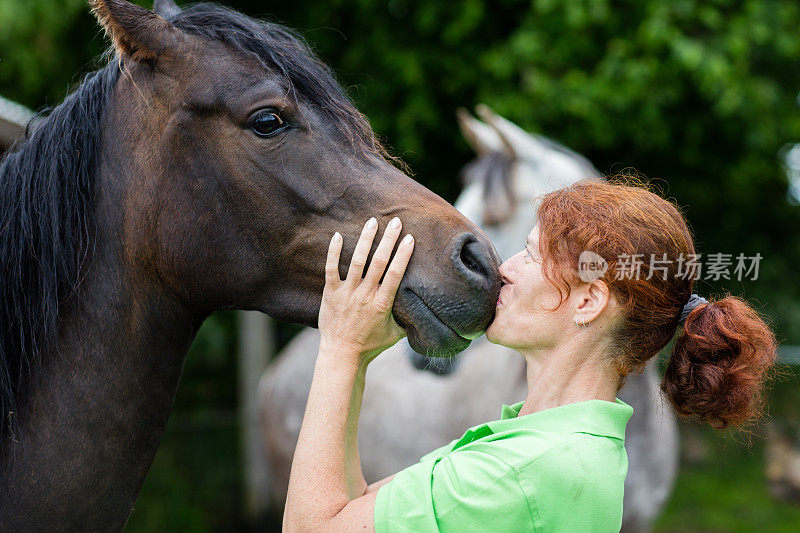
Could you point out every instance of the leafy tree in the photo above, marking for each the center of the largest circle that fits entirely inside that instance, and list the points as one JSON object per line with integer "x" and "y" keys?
{"x": 44, "y": 46}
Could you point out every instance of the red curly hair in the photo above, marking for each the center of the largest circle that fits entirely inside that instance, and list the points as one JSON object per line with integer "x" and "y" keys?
{"x": 718, "y": 366}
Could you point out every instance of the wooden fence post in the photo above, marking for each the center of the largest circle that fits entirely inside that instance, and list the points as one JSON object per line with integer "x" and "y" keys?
{"x": 256, "y": 347}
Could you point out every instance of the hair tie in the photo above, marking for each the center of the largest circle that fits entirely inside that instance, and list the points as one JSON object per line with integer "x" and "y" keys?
{"x": 694, "y": 302}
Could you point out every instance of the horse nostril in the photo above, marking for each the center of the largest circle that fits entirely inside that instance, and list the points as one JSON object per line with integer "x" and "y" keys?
{"x": 470, "y": 261}
{"x": 475, "y": 257}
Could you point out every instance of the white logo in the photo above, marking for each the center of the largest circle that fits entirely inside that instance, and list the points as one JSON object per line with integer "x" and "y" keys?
{"x": 591, "y": 266}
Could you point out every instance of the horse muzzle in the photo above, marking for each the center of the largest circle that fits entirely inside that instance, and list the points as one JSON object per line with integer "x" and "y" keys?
{"x": 443, "y": 305}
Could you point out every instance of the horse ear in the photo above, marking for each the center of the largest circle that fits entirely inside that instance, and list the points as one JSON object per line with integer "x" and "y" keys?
{"x": 137, "y": 33}
{"x": 513, "y": 138}
{"x": 481, "y": 138}
{"x": 166, "y": 8}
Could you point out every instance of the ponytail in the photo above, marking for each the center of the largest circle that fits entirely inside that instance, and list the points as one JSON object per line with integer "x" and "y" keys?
{"x": 719, "y": 363}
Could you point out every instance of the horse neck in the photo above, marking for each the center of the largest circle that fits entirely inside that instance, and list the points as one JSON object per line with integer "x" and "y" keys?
{"x": 97, "y": 406}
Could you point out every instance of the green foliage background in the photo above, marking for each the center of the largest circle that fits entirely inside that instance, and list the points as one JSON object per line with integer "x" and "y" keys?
{"x": 700, "y": 96}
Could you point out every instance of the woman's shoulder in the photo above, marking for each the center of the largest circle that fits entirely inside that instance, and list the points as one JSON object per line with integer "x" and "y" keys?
{"x": 526, "y": 447}
{"x": 586, "y": 470}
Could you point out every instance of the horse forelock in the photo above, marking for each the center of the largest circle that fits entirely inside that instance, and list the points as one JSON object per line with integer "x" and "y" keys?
{"x": 47, "y": 226}
{"x": 493, "y": 172}
{"x": 288, "y": 55}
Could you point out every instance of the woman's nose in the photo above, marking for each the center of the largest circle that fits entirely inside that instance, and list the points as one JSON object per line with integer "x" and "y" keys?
{"x": 505, "y": 271}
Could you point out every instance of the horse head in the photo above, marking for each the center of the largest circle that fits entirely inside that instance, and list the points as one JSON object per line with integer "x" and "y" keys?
{"x": 236, "y": 156}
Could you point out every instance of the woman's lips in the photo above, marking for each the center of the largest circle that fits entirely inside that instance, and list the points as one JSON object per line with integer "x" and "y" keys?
{"x": 500, "y": 296}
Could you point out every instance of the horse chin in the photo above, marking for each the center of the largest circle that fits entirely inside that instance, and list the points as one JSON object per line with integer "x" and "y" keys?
{"x": 424, "y": 342}
{"x": 428, "y": 334}
{"x": 440, "y": 366}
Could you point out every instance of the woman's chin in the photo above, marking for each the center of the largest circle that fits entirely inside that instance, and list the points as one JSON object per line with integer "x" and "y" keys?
{"x": 492, "y": 332}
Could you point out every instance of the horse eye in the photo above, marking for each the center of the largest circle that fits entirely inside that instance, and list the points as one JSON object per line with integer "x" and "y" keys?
{"x": 267, "y": 123}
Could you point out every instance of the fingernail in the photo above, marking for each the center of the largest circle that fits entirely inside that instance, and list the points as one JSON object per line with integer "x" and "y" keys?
{"x": 395, "y": 223}
{"x": 336, "y": 237}
{"x": 372, "y": 223}
{"x": 408, "y": 239}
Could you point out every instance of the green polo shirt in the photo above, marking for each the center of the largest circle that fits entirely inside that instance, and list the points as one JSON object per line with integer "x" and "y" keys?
{"x": 561, "y": 469}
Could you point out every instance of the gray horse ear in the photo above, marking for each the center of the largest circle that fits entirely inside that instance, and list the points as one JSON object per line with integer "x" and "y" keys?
{"x": 166, "y": 8}
{"x": 481, "y": 138}
{"x": 137, "y": 33}
{"x": 505, "y": 129}
{"x": 518, "y": 143}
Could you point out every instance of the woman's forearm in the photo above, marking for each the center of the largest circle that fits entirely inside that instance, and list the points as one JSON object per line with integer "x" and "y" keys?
{"x": 356, "y": 484}
{"x": 326, "y": 470}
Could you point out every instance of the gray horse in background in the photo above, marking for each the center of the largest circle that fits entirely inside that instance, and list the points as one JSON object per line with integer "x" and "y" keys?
{"x": 407, "y": 411}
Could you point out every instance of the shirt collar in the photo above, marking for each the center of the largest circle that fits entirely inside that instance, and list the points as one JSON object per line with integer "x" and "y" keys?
{"x": 597, "y": 417}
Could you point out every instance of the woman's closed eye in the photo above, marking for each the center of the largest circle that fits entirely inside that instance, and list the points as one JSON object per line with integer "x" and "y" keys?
{"x": 528, "y": 254}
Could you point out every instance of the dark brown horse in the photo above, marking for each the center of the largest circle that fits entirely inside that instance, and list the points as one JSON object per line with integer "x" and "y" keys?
{"x": 204, "y": 168}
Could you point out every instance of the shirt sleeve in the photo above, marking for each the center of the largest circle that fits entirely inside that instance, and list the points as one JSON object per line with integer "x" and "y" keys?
{"x": 458, "y": 492}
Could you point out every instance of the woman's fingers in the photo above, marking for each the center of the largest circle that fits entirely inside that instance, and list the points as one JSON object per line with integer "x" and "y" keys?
{"x": 362, "y": 251}
{"x": 381, "y": 256}
{"x": 388, "y": 289}
{"x": 332, "y": 278}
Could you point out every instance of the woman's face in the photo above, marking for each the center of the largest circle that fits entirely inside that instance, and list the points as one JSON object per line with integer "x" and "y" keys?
{"x": 523, "y": 318}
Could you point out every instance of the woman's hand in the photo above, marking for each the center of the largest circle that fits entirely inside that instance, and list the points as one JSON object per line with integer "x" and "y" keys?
{"x": 355, "y": 318}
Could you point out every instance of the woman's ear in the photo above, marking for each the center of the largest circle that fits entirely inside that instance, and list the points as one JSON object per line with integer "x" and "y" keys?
{"x": 137, "y": 33}
{"x": 594, "y": 297}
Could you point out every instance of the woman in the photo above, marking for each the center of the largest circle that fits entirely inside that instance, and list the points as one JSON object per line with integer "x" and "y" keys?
{"x": 556, "y": 461}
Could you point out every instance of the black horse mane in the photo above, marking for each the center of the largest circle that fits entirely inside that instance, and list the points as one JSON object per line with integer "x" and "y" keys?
{"x": 47, "y": 193}
{"x": 48, "y": 189}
